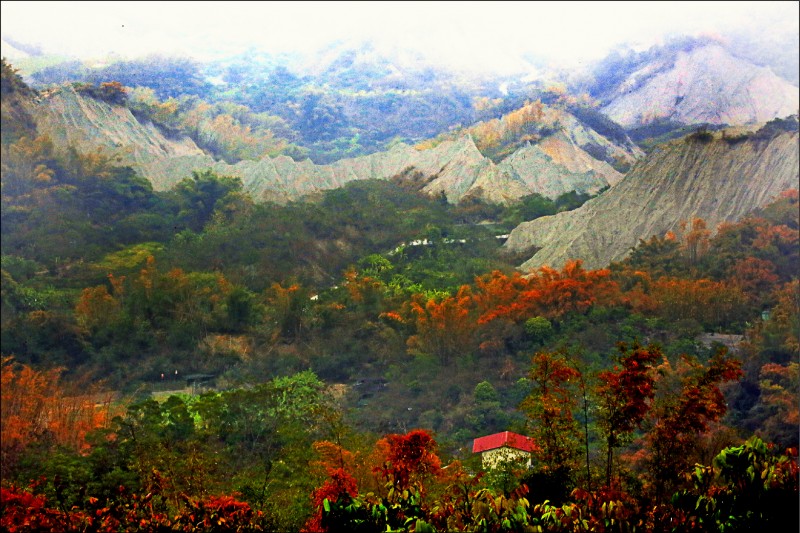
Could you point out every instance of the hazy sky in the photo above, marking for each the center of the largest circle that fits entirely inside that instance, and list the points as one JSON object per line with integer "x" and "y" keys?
{"x": 477, "y": 35}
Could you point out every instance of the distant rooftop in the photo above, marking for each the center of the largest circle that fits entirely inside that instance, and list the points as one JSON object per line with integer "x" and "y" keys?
{"x": 506, "y": 438}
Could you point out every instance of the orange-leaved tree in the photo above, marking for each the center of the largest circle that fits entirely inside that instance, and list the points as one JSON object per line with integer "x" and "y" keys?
{"x": 548, "y": 292}
{"x": 36, "y": 406}
{"x": 549, "y": 408}
{"x": 497, "y": 295}
{"x": 406, "y": 464}
{"x": 573, "y": 289}
{"x": 409, "y": 459}
{"x": 445, "y": 328}
{"x": 696, "y": 240}
{"x": 288, "y": 307}
{"x": 756, "y": 278}
{"x": 625, "y": 395}
{"x": 336, "y": 465}
{"x": 688, "y": 401}
{"x": 711, "y": 303}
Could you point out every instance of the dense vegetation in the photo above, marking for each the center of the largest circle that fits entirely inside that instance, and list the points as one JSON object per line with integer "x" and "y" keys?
{"x": 190, "y": 360}
{"x": 357, "y": 104}
{"x": 349, "y": 108}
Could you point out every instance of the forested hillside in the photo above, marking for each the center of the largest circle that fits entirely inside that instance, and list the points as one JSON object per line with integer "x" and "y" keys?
{"x": 193, "y": 358}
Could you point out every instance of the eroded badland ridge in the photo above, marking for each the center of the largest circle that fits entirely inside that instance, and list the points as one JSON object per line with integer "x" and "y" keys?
{"x": 455, "y": 168}
{"x": 717, "y": 179}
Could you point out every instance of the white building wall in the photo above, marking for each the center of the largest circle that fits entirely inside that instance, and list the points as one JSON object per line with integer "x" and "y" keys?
{"x": 491, "y": 458}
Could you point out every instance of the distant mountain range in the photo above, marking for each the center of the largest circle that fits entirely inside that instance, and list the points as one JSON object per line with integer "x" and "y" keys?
{"x": 706, "y": 85}
{"x": 554, "y": 165}
{"x": 357, "y": 90}
{"x": 698, "y": 84}
{"x": 703, "y": 175}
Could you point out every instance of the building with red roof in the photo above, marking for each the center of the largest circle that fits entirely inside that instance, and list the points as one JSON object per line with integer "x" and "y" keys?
{"x": 505, "y": 446}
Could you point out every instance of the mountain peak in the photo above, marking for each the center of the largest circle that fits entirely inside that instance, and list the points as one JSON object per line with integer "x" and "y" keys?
{"x": 705, "y": 84}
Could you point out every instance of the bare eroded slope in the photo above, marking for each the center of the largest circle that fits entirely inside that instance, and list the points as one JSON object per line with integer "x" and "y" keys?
{"x": 717, "y": 181}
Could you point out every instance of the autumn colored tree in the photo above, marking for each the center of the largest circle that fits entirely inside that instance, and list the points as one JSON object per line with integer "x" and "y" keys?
{"x": 485, "y": 510}
{"x": 364, "y": 290}
{"x": 516, "y": 126}
{"x": 444, "y": 329}
{"x": 113, "y": 92}
{"x": 781, "y": 237}
{"x": 548, "y": 293}
{"x": 605, "y": 510}
{"x": 519, "y": 120}
{"x": 549, "y": 409}
{"x": 27, "y": 164}
{"x": 695, "y": 240}
{"x": 777, "y": 407}
{"x": 288, "y": 309}
{"x": 498, "y": 295}
{"x": 96, "y": 308}
{"x": 680, "y": 414}
{"x": 38, "y": 407}
{"x": 756, "y": 278}
{"x": 337, "y": 464}
{"x": 573, "y": 289}
{"x": 21, "y": 511}
{"x": 497, "y": 136}
{"x": 143, "y": 102}
{"x": 636, "y": 286}
{"x": 409, "y": 459}
{"x": 487, "y": 135}
{"x": 624, "y": 397}
{"x": 407, "y": 464}
{"x": 711, "y": 303}
{"x": 332, "y": 500}
{"x": 421, "y": 496}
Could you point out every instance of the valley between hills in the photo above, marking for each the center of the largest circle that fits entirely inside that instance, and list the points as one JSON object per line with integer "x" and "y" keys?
{"x": 242, "y": 295}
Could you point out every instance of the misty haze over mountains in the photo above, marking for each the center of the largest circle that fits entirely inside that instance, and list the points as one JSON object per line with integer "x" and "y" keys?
{"x": 281, "y": 266}
{"x": 497, "y": 37}
{"x": 351, "y": 105}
